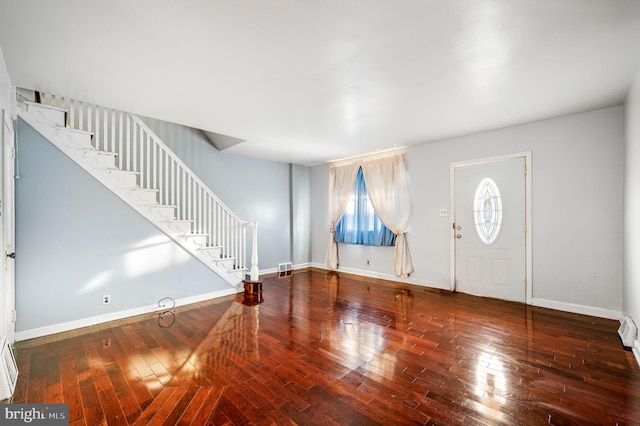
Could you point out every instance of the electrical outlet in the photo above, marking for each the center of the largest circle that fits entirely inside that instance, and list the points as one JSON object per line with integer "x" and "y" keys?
{"x": 443, "y": 212}
{"x": 367, "y": 262}
{"x": 106, "y": 299}
{"x": 106, "y": 343}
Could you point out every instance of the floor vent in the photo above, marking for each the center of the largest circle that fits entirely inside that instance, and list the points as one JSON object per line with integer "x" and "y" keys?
{"x": 285, "y": 269}
{"x": 627, "y": 332}
{"x": 8, "y": 371}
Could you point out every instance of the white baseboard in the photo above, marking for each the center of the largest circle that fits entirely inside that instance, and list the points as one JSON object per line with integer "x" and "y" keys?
{"x": 302, "y": 266}
{"x": 543, "y": 303}
{"x": 295, "y": 268}
{"x": 577, "y": 309}
{"x": 636, "y": 350}
{"x": 85, "y": 322}
{"x": 388, "y": 277}
{"x": 268, "y": 271}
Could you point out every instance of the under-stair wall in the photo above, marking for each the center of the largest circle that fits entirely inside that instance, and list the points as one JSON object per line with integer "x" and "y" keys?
{"x": 77, "y": 241}
{"x": 89, "y": 243}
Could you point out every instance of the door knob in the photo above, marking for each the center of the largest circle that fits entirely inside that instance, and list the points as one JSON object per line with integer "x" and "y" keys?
{"x": 458, "y": 227}
{"x": 458, "y": 235}
{"x": 12, "y": 255}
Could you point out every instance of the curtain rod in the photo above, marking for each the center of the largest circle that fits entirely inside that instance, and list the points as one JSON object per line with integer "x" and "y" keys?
{"x": 369, "y": 156}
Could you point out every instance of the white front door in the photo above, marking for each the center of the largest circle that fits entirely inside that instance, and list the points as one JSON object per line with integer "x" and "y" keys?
{"x": 490, "y": 229}
{"x": 7, "y": 233}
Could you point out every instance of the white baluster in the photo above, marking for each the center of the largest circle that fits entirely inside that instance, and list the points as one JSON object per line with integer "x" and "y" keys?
{"x": 255, "y": 273}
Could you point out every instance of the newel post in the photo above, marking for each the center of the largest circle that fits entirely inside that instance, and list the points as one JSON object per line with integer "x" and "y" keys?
{"x": 255, "y": 274}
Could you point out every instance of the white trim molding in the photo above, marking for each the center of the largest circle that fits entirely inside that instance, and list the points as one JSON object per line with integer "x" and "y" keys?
{"x": 577, "y": 309}
{"x": 387, "y": 277}
{"x": 542, "y": 303}
{"x": 86, "y": 322}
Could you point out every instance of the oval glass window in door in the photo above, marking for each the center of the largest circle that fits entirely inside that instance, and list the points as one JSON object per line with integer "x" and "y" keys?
{"x": 487, "y": 210}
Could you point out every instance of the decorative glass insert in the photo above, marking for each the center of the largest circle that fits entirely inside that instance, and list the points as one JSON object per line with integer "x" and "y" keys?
{"x": 487, "y": 210}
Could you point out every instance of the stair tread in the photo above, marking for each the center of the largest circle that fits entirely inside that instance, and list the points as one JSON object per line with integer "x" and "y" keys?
{"x": 123, "y": 171}
{"x": 40, "y": 105}
{"x": 95, "y": 151}
{"x": 137, "y": 188}
{"x": 74, "y": 130}
{"x": 163, "y": 205}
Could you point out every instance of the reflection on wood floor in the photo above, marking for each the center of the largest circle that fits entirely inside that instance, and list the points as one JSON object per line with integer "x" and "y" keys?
{"x": 330, "y": 349}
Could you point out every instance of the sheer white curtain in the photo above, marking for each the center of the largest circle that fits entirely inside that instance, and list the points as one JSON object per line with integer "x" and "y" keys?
{"x": 341, "y": 181}
{"x": 388, "y": 189}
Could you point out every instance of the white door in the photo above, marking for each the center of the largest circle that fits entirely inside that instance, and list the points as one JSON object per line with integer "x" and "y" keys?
{"x": 490, "y": 229}
{"x": 7, "y": 233}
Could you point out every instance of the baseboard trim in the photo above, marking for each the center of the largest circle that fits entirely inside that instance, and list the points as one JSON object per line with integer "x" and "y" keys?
{"x": 577, "y": 309}
{"x": 86, "y": 322}
{"x": 636, "y": 351}
{"x": 543, "y": 303}
{"x": 387, "y": 277}
{"x": 301, "y": 266}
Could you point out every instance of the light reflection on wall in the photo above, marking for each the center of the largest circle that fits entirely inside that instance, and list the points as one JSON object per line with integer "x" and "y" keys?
{"x": 153, "y": 254}
{"x": 96, "y": 282}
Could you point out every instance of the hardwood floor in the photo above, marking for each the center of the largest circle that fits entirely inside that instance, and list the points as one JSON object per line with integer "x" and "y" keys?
{"x": 329, "y": 349}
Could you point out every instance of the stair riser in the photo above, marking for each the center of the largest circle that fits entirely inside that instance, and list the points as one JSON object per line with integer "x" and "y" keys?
{"x": 239, "y": 274}
{"x": 198, "y": 241}
{"x": 212, "y": 253}
{"x": 76, "y": 140}
{"x": 163, "y": 212}
{"x": 226, "y": 263}
{"x": 180, "y": 228}
{"x": 56, "y": 116}
{"x": 123, "y": 178}
{"x": 100, "y": 159}
{"x": 145, "y": 196}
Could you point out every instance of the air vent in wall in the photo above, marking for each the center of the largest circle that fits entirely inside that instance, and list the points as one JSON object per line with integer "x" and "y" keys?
{"x": 627, "y": 332}
{"x": 285, "y": 269}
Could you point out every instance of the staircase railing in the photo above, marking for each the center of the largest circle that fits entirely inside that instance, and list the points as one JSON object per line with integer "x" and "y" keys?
{"x": 140, "y": 150}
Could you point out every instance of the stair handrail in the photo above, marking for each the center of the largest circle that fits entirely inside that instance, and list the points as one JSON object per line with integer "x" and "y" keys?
{"x": 112, "y": 127}
{"x": 178, "y": 161}
{"x": 254, "y": 272}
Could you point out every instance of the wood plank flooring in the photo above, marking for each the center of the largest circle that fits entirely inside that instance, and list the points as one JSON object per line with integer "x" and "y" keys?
{"x": 336, "y": 349}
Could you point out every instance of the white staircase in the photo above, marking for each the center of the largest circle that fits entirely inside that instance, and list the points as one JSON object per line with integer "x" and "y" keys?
{"x": 120, "y": 151}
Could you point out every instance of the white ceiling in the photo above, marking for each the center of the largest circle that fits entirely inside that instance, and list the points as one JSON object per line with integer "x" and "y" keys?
{"x": 308, "y": 81}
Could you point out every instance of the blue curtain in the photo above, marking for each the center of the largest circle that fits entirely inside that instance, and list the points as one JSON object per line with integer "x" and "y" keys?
{"x": 359, "y": 223}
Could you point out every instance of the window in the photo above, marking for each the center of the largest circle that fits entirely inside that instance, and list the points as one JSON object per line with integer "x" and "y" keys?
{"x": 359, "y": 223}
{"x": 487, "y": 210}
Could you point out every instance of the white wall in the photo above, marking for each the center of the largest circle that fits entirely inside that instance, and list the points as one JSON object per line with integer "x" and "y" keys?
{"x": 577, "y": 210}
{"x": 300, "y": 215}
{"x": 631, "y": 287}
{"x": 5, "y": 86}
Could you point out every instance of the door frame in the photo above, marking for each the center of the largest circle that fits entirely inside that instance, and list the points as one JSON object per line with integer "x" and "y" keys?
{"x": 527, "y": 197}
{"x": 8, "y": 307}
